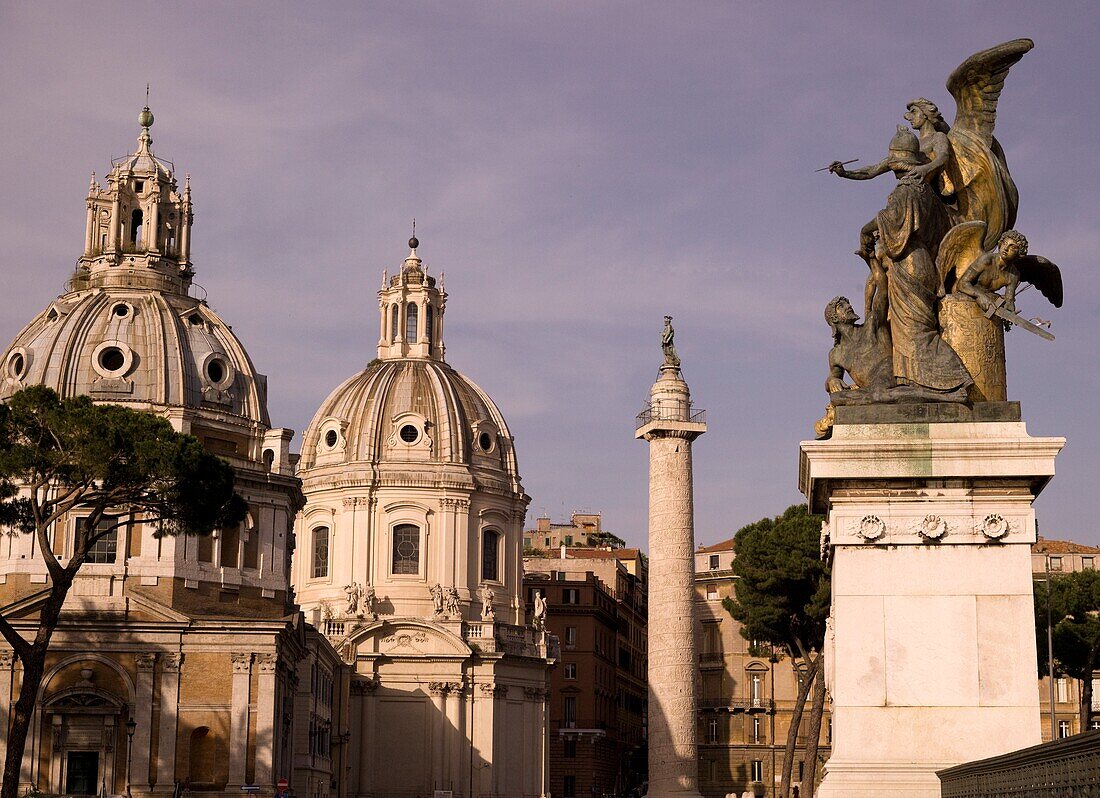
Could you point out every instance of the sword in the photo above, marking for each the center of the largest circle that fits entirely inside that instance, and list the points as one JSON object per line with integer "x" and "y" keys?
{"x": 842, "y": 163}
{"x": 998, "y": 309}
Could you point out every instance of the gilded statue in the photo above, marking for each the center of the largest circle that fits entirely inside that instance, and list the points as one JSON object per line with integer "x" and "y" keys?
{"x": 939, "y": 252}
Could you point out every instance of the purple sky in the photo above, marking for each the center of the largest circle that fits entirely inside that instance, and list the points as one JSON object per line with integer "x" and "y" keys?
{"x": 578, "y": 170}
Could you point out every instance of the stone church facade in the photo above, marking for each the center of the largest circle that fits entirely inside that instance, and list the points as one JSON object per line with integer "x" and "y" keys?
{"x": 187, "y": 663}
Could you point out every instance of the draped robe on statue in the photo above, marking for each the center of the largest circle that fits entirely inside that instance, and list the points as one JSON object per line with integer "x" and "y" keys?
{"x": 910, "y": 229}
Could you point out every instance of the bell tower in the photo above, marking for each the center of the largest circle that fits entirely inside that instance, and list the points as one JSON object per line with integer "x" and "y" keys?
{"x": 140, "y": 222}
{"x": 411, "y": 308}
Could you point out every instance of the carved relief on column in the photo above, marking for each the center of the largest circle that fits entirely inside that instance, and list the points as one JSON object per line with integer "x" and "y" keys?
{"x": 145, "y": 661}
{"x": 439, "y": 688}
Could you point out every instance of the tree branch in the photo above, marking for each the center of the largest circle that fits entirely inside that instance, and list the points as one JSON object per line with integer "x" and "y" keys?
{"x": 13, "y": 637}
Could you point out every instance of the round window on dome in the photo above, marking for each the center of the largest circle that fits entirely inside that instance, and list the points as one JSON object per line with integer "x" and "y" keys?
{"x": 17, "y": 365}
{"x": 485, "y": 441}
{"x": 409, "y": 433}
{"x": 215, "y": 370}
{"x": 112, "y": 359}
{"x": 122, "y": 310}
{"x": 195, "y": 319}
{"x": 332, "y": 437}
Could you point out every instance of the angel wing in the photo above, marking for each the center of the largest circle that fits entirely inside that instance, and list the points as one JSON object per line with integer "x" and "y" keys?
{"x": 959, "y": 248}
{"x": 1042, "y": 274}
{"x": 977, "y": 82}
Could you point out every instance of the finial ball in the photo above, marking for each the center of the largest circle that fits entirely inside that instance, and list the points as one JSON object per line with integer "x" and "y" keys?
{"x": 414, "y": 242}
{"x": 145, "y": 118}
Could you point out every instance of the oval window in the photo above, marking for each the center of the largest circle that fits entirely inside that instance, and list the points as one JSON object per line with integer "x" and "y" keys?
{"x": 195, "y": 319}
{"x": 409, "y": 433}
{"x": 112, "y": 359}
{"x": 485, "y": 441}
{"x": 122, "y": 310}
{"x": 215, "y": 370}
{"x": 331, "y": 438}
{"x": 17, "y": 365}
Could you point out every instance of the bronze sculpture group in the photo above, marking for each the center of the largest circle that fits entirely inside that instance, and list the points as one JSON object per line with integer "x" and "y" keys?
{"x": 937, "y": 253}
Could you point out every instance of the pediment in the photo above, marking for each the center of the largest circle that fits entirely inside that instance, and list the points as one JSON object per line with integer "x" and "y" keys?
{"x": 402, "y": 638}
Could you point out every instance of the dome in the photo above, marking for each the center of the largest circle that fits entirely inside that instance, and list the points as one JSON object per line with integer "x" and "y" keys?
{"x": 140, "y": 347}
{"x": 410, "y": 410}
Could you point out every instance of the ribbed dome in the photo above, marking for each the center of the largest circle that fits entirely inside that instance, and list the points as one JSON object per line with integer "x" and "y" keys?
{"x": 137, "y": 346}
{"x": 366, "y": 418}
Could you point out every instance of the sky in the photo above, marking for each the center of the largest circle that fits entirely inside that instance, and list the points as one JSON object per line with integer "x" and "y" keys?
{"x": 578, "y": 170}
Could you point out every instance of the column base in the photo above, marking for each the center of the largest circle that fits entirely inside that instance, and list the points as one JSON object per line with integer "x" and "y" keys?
{"x": 880, "y": 780}
{"x": 673, "y": 794}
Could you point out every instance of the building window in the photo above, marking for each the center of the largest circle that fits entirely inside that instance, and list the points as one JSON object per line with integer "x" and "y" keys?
{"x": 801, "y": 770}
{"x": 758, "y": 770}
{"x": 571, "y": 636}
{"x": 104, "y": 550}
{"x": 429, "y": 320}
{"x": 1062, "y": 686}
{"x": 712, "y": 731}
{"x": 1063, "y": 729}
{"x": 136, "y": 219}
{"x": 569, "y": 712}
{"x": 756, "y": 731}
{"x": 320, "y": 552}
{"x": 1087, "y": 564}
{"x": 406, "y": 549}
{"x": 569, "y": 786}
{"x": 546, "y": 542}
{"x": 570, "y": 595}
{"x": 570, "y": 670}
{"x": 568, "y": 540}
{"x": 757, "y": 694}
{"x": 231, "y": 544}
{"x": 1056, "y": 563}
{"x": 395, "y": 321}
{"x": 411, "y": 313}
{"x": 712, "y": 592}
{"x": 569, "y": 748}
{"x": 714, "y": 562}
{"x": 490, "y": 543}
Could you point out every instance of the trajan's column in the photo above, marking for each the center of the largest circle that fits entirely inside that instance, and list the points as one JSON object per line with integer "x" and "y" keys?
{"x": 670, "y": 426}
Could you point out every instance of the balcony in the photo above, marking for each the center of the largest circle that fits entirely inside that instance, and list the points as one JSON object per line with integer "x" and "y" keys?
{"x": 711, "y": 659}
{"x": 651, "y": 414}
{"x": 750, "y": 705}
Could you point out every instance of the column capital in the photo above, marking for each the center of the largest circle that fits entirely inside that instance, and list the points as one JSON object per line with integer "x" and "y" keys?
{"x": 145, "y": 661}
{"x": 171, "y": 662}
{"x": 267, "y": 663}
{"x": 439, "y": 688}
{"x": 242, "y": 662}
{"x": 7, "y": 659}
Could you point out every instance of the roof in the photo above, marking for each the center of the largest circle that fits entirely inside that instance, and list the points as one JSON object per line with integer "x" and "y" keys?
{"x": 725, "y": 545}
{"x": 1044, "y": 546}
{"x": 583, "y": 553}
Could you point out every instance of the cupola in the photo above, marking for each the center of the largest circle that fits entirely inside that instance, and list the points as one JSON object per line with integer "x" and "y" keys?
{"x": 138, "y": 231}
{"x": 411, "y": 307}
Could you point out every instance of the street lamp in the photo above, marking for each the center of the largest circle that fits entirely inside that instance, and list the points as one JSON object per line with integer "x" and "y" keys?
{"x": 131, "y": 725}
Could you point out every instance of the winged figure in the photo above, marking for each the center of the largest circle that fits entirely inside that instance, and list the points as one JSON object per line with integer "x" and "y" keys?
{"x": 966, "y": 159}
{"x": 982, "y": 272}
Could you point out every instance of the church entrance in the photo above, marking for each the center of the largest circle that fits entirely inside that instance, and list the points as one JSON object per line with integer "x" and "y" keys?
{"x": 82, "y": 773}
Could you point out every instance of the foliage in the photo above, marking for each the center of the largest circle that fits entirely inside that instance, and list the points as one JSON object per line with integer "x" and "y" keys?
{"x": 113, "y": 466}
{"x": 781, "y": 598}
{"x": 1074, "y": 609}
{"x": 781, "y": 595}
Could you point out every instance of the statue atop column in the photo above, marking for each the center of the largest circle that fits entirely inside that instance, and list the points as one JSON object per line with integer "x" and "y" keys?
{"x": 668, "y": 346}
{"x": 938, "y": 252}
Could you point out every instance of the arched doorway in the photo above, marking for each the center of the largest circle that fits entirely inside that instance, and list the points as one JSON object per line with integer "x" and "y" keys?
{"x": 88, "y": 728}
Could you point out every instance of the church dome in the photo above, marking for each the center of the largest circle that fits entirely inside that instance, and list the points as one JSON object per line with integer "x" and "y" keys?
{"x": 413, "y": 410}
{"x": 127, "y": 329}
{"x": 139, "y": 347}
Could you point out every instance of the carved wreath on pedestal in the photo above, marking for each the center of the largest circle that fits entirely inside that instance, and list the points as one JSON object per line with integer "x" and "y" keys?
{"x": 932, "y": 527}
{"x": 993, "y": 526}
{"x": 871, "y": 527}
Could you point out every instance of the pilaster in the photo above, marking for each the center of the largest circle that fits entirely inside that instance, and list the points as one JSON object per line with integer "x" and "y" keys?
{"x": 238, "y": 718}
{"x": 267, "y": 664}
{"x": 169, "y": 711}
{"x": 143, "y": 717}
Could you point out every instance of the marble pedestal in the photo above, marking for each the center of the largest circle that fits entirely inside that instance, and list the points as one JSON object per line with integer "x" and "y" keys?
{"x": 931, "y": 658}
